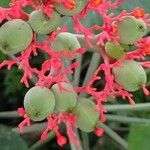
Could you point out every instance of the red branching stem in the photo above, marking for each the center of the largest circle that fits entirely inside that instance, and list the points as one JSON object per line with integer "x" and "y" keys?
{"x": 26, "y": 120}
{"x": 52, "y": 70}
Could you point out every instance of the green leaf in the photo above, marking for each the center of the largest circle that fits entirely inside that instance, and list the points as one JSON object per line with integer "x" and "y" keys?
{"x": 41, "y": 37}
{"x": 12, "y": 80}
{"x": 139, "y": 137}
{"x": 127, "y": 5}
{"x": 10, "y": 140}
{"x": 4, "y": 3}
{"x": 28, "y": 9}
{"x": 3, "y": 57}
{"x": 91, "y": 19}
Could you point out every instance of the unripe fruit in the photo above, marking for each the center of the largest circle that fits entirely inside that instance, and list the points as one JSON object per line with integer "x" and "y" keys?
{"x": 41, "y": 24}
{"x": 65, "y": 100}
{"x": 39, "y": 103}
{"x": 130, "y": 74}
{"x": 88, "y": 117}
{"x": 131, "y": 29}
{"x": 79, "y": 6}
{"x": 115, "y": 51}
{"x": 15, "y": 36}
{"x": 66, "y": 41}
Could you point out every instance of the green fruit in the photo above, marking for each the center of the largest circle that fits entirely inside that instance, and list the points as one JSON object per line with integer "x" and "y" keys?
{"x": 66, "y": 41}
{"x": 130, "y": 74}
{"x": 39, "y": 103}
{"x": 65, "y": 100}
{"x": 115, "y": 51}
{"x": 15, "y": 36}
{"x": 87, "y": 115}
{"x": 79, "y": 6}
{"x": 131, "y": 29}
{"x": 41, "y": 24}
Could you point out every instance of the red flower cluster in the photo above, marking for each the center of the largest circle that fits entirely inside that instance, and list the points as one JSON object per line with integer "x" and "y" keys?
{"x": 54, "y": 63}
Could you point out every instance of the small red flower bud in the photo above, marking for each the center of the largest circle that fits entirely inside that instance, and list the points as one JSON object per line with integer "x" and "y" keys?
{"x": 44, "y": 136}
{"x": 96, "y": 2}
{"x": 61, "y": 140}
{"x": 70, "y": 4}
{"x": 138, "y": 12}
{"x": 99, "y": 131}
{"x": 21, "y": 111}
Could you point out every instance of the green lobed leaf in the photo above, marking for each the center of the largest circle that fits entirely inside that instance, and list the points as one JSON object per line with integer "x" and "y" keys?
{"x": 91, "y": 19}
{"x": 12, "y": 80}
{"x": 127, "y": 5}
{"x": 4, "y": 3}
{"x": 139, "y": 137}
{"x": 10, "y": 140}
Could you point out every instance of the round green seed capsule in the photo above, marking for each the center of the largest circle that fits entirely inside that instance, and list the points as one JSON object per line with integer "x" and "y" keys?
{"x": 87, "y": 115}
{"x": 65, "y": 100}
{"x": 131, "y": 29}
{"x": 39, "y": 103}
{"x": 115, "y": 51}
{"x": 41, "y": 24}
{"x": 79, "y": 6}
{"x": 66, "y": 41}
{"x": 15, "y": 36}
{"x": 130, "y": 74}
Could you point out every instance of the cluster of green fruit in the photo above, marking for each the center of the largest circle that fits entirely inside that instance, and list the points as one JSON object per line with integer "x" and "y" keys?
{"x": 130, "y": 74}
{"x": 16, "y": 35}
{"x": 130, "y": 30}
{"x": 40, "y": 102}
{"x": 41, "y": 24}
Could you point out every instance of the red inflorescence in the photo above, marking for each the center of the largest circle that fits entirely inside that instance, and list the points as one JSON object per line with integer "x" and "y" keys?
{"x": 54, "y": 63}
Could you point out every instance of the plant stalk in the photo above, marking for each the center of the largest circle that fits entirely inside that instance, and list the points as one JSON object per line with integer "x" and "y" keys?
{"x": 124, "y": 119}
{"x": 40, "y": 143}
{"x": 128, "y": 107}
{"x": 115, "y": 136}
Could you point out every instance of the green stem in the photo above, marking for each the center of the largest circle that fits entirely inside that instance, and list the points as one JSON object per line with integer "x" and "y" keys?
{"x": 33, "y": 128}
{"x": 77, "y": 71}
{"x": 115, "y": 136}
{"x": 9, "y": 114}
{"x": 91, "y": 69}
{"x": 67, "y": 63}
{"x": 85, "y": 140}
{"x": 128, "y": 107}
{"x": 75, "y": 82}
{"x": 81, "y": 39}
{"x": 124, "y": 119}
{"x": 73, "y": 146}
{"x": 110, "y": 108}
{"x": 40, "y": 143}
